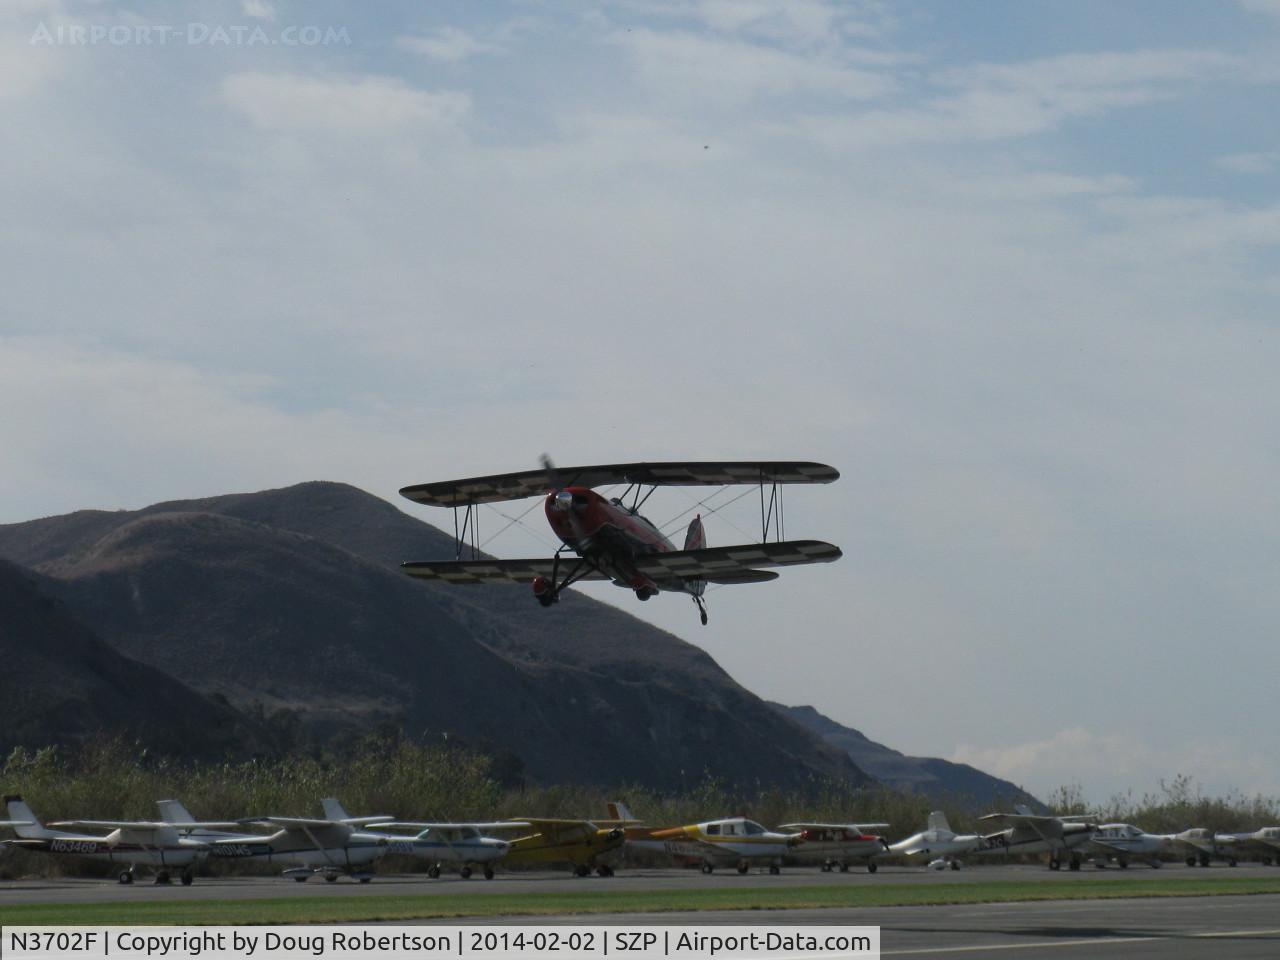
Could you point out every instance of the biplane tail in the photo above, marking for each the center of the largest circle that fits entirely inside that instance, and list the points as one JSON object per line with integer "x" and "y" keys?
{"x": 26, "y": 824}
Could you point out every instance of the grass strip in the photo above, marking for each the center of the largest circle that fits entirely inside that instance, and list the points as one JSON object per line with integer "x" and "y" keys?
{"x": 338, "y": 908}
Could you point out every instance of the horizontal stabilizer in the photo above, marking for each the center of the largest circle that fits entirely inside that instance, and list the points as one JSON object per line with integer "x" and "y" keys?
{"x": 533, "y": 483}
{"x": 492, "y": 571}
{"x": 712, "y": 562}
{"x": 743, "y": 576}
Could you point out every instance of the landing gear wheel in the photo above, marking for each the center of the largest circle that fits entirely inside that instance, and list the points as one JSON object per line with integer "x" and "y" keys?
{"x": 604, "y": 870}
{"x": 826, "y": 866}
{"x": 488, "y": 873}
{"x": 187, "y": 877}
{"x": 126, "y": 877}
{"x": 872, "y": 867}
{"x": 1074, "y": 864}
{"x": 1123, "y": 864}
{"x": 546, "y": 600}
{"x": 365, "y": 879}
{"x": 955, "y": 864}
{"x": 844, "y": 867}
{"x": 330, "y": 878}
{"x": 1191, "y": 861}
{"x": 163, "y": 877}
{"x": 1055, "y": 863}
{"x": 1231, "y": 862}
{"x": 707, "y": 868}
{"x": 582, "y": 870}
{"x": 1204, "y": 860}
{"x": 742, "y": 867}
{"x": 434, "y": 871}
{"x": 465, "y": 873}
{"x": 300, "y": 879}
{"x": 774, "y": 869}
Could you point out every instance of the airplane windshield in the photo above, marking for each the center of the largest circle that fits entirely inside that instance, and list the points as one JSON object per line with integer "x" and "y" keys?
{"x": 751, "y": 828}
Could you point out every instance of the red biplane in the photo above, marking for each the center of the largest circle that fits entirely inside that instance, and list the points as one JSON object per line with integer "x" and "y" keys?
{"x": 610, "y": 538}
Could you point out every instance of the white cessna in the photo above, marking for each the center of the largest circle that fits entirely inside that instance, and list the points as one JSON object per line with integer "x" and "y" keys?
{"x": 331, "y": 846}
{"x": 131, "y": 843}
{"x": 836, "y": 845}
{"x": 942, "y": 845}
{"x": 463, "y": 845}
{"x": 1026, "y": 832}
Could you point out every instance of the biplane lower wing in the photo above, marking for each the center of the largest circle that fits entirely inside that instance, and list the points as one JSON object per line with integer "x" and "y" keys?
{"x": 492, "y": 571}
{"x": 714, "y": 564}
{"x": 533, "y": 483}
{"x": 734, "y": 564}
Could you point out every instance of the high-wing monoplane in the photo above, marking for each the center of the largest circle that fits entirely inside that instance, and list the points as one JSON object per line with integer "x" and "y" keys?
{"x": 330, "y": 846}
{"x": 608, "y": 538}
{"x": 1026, "y": 832}
{"x": 130, "y": 843}
{"x": 837, "y": 845}
{"x": 579, "y": 843}
{"x": 942, "y": 845}
{"x": 464, "y": 845}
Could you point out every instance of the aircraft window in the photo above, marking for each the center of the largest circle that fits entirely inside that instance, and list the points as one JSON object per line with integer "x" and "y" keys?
{"x": 751, "y": 828}
{"x": 469, "y": 833}
{"x": 731, "y": 829}
{"x": 713, "y": 829}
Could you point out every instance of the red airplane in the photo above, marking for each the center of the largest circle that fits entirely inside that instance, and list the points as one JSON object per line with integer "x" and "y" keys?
{"x": 610, "y": 537}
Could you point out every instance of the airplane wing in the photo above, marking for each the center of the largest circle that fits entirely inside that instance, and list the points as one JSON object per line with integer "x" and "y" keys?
{"x": 562, "y": 831}
{"x": 1048, "y": 828}
{"x": 713, "y": 563}
{"x": 856, "y": 827}
{"x": 532, "y": 483}
{"x": 491, "y": 571}
{"x": 482, "y": 827}
{"x": 291, "y": 823}
{"x": 144, "y": 825}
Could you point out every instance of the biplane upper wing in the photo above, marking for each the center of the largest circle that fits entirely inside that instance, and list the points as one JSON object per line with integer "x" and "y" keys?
{"x": 491, "y": 571}
{"x": 734, "y": 564}
{"x": 532, "y": 483}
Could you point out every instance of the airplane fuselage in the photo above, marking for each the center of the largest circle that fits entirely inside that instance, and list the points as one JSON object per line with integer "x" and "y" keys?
{"x": 609, "y": 535}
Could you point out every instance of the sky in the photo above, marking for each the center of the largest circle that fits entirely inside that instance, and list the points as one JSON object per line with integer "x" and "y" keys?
{"x": 1012, "y": 267}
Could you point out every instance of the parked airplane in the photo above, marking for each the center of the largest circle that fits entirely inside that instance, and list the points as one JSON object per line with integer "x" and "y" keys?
{"x": 1265, "y": 843}
{"x": 461, "y": 844}
{"x": 1202, "y": 846}
{"x": 733, "y": 841}
{"x": 1027, "y": 832}
{"x": 580, "y": 843}
{"x": 941, "y": 844}
{"x": 611, "y": 538}
{"x": 130, "y": 843}
{"x": 1124, "y": 843}
{"x": 836, "y": 845}
{"x": 331, "y": 846}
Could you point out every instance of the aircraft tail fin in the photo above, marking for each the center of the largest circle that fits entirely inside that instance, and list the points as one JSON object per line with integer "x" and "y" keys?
{"x": 18, "y": 810}
{"x": 618, "y": 811}
{"x": 172, "y": 811}
{"x": 333, "y": 810}
{"x": 696, "y": 537}
{"x": 938, "y": 821}
{"x": 1023, "y": 809}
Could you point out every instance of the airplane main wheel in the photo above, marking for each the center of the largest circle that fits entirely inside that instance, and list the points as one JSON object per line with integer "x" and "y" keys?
{"x": 1191, "y": 861}
{"x": 872, "y": 867}
{"x": 546, "y": 600}
{"x": 187, "y": 877}
{"x": 1157, "y": 864}
{"x": 365, "y": 879}
{"x": 582, "y": 870}
{"x": 604, "y": 870}
{"x": 1055, "y": 863}
{"x": 465, "y": 873}
{"x": 126, "y": 877}
{"x": 742, "y": 867}
{"x": 707, "y": 868}
{"x": 488, "y": 873}
{"x": 844, "y": 868}
{"x": 434, "y": 871}
{"x": 300, "y": 879}
{"x": 1124, "y": 864}
{"x": 330, "y": 878}
{"x": 826, "y": 867}
{"x": 955, "y": 864}
{"x": 162, "y": 877}
{"x": 1231, "y": 862}
{"x": 774, "y": 869}
{"x": 1074, "y": 864}
{"x": 1204, "y": 861}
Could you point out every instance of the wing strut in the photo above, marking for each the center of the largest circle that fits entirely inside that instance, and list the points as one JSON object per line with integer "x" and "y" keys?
{"x": 468, "y": 535}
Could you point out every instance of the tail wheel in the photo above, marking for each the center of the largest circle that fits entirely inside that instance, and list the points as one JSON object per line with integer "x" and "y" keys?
{"x": 872, "y": 867}
{"x": 488, "y": 873}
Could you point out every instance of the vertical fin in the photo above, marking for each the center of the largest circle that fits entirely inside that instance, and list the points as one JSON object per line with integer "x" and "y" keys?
{"x": 172, "y": 811}
{"x": 938, "y": 821}
{"x": 618, "y": 811}
{"x": 333, "y": 809}
{"x": 18, "y": 810}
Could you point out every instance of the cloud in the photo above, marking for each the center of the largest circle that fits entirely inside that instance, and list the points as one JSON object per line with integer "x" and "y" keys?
{"x": 258, "y": 9}
{"x": 1249, "y": 163}
{"x": 288, "y": 101}
{"x": 991, "y": 101}
{"x": 1109, "y": 764}
{"x": 447, "y": 45}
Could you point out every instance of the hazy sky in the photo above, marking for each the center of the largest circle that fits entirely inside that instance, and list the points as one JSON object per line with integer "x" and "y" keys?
{"x": 1012, "y": 267}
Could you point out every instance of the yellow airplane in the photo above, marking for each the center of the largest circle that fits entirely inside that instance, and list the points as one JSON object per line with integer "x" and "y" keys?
{"x": 581, "y": 843}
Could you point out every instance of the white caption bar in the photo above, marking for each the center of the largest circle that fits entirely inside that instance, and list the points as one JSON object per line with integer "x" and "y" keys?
{"x": 775, "y": 942}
